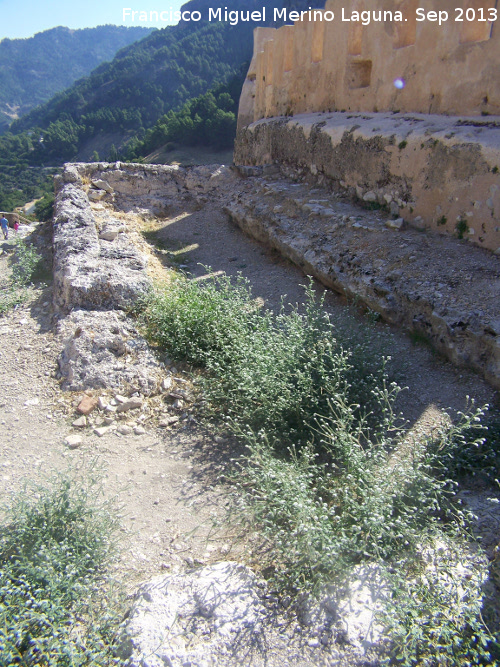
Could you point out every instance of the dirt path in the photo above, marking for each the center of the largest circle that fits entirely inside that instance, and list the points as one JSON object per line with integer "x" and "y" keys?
{"x": 167, "y": 480}
{"x": 169, "y": 503}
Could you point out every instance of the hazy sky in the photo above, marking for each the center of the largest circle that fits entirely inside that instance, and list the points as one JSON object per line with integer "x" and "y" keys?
{"x": 23, "y": 18}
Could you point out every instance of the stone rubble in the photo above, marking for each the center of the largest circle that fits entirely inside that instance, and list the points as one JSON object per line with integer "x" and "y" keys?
{"x": 102, "y": 349}
{"x": 89, "y": 273}
{"x": 192, "y": 618}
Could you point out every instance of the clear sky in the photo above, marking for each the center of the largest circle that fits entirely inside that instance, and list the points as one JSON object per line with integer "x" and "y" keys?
{"x": 23, "y": 18}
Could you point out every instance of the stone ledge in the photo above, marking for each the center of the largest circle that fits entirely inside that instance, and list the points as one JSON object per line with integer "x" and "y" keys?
{"x": 441, "y": 288}
{"x": 437, "y": 172}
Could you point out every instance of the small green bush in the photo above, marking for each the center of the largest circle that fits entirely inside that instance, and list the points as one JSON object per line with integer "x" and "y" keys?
{"x": 435, "y": 617}
{"x": 262, "y": 370}
{"x": 55, "y": 542}
{"x": 10, "y": 297}
{"x": 27, "y": 265}
{"x": 461, "y": 228}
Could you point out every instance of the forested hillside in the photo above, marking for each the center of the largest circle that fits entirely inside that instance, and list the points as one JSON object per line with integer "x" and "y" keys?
{"x": 33, "y": 70}
{"x": 179, "y": 85}
{"x": 146, "y": 80}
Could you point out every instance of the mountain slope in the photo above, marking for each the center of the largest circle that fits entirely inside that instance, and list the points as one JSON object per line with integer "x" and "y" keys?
{"x": 121, "y": 100}
{"x": 150, "y": 78}
{"x": 33, "y": 70}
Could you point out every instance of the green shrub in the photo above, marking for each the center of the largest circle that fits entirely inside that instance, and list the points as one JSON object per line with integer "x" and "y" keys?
{"x": 357, "y": 498}
{"x": 461, "y": 228}
{"x": 191, "y": 320}
{"x": 332, "y": 476}
{"x": 10, "y": 297}
{"x": 435, "y": 617}
{"x": 55, "y": 541}
{"x": 263, "y": 370}
{"x": 27, "y": 265}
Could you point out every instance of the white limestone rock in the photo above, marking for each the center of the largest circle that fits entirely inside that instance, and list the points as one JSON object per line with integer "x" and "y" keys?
{"x": 395, "y": 224}
{"x": 87, "y": 273}
{"x": 111, "y": 229}
{"x": 352, "y": 609}
{"x": 100, "y": 184}
{"x": 216, "y": 605}
{"x": 71, "y": 175}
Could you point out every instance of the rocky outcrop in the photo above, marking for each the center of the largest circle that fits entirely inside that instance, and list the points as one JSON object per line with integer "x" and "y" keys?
{"x": 224, "y": 615}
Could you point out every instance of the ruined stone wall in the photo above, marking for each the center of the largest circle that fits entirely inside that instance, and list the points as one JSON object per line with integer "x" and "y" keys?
{"x": 437, "y": 173}
{"x": 314, "y": 65}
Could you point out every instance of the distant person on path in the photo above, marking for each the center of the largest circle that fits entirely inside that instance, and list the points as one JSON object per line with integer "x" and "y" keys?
{"x": 5, "y": 226}
{"x": 16, "y": 225}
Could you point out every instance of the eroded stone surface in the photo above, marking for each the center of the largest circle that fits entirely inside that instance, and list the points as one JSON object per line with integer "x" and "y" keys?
{"x": 89, "y": 273}
{"x": 441, "y": 288}
{"x": 104, "y": 350}
{"x": 437, "y": 173}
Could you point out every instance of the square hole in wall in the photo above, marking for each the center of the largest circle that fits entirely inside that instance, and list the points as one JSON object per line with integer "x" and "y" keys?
{"x": 359, "y": 74}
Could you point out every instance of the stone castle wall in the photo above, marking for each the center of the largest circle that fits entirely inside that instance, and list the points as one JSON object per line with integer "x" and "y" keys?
{"x": 322, "y": 96}
{"x": 318, "y": 65}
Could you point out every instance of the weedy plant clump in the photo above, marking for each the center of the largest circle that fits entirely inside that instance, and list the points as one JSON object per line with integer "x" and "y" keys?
{"x": 333, "y": 477}
{"x": 56, "y": 606}
{"x": 28, "y": 263}
{"x": 27, "y": 266}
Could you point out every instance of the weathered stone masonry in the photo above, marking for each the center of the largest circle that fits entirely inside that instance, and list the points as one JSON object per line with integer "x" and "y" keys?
{"x": 398, "y": 116}
{"x": 322, "y": 95}
{"x": 318, "y": 65}
{"x": 438, "y": 173}
{"x": 99, "y": 274}
{"x": 440, "y": 287}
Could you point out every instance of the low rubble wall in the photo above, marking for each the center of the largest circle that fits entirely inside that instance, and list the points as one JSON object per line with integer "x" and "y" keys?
{"x": 437, "y": 173}
{"x": 98, "y": 271}
{"x": 434, "y": 285}
{"x": 99, "y": 268}
{"x": 437, "y": 287}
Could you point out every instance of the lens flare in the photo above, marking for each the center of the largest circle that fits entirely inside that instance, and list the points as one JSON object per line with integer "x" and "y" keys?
{"x": 399, "y": 83}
